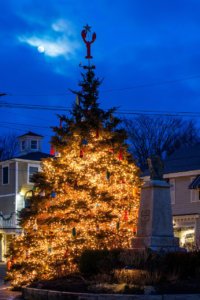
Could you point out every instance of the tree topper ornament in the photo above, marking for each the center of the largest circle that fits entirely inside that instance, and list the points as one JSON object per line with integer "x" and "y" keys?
{"x": 84, "y": 34}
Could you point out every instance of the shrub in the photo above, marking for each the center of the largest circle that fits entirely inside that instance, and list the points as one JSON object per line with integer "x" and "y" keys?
{"x": 185, "y": 264}
{"x": 134, "y": 276}
{"x": 99, "y": 261}
{"x": 136, "y": 259}
{"x": 144, "y": 260}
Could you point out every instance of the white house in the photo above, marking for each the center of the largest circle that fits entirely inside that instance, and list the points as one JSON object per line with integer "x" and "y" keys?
{"x": 15, "y": 184}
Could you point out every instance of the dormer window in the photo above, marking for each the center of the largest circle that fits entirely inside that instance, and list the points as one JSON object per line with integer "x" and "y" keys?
{"x": 30, "y": 142}
{"x": 34, "y": 144}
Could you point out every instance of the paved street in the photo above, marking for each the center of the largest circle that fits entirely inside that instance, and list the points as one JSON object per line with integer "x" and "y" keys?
{"x": 5, "y": 292}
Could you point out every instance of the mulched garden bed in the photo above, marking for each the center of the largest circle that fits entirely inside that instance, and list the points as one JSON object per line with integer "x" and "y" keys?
{"x": 80, "y": 285}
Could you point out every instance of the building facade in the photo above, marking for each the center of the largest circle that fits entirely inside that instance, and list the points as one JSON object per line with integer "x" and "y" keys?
{"x": 15, "y": 185}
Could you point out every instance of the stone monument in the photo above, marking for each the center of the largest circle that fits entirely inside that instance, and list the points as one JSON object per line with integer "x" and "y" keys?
{"x": 155, "y": 228}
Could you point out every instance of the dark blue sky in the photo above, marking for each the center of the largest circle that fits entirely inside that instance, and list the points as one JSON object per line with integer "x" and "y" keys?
{"x": 148, "y": 53}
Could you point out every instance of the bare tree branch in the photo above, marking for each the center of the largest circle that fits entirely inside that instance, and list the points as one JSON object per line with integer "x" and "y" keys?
{"x": 8, "y": 146}
{"x": 149, "y": 135}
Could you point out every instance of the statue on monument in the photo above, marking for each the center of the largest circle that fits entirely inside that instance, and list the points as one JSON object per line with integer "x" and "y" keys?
{"x": 155, "y": 226}
{"x": 156, "y": 167}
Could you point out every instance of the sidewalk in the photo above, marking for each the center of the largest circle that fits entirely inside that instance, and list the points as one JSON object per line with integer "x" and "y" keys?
{"x": 5, "y": 292}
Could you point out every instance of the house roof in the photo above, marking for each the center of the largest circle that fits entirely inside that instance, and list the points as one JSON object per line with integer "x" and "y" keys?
{"x": 182, "y": 160}
{"x": 185, "y": 159}
{"x": 34, "y": 156}
{"x": 31, "y": 134}
{"x": 195, "y": 184}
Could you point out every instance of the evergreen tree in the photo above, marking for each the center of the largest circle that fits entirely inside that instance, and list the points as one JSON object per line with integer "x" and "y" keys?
{"x": 86, "y": 197}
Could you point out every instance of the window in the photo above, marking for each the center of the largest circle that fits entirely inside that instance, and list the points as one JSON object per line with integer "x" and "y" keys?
{"x": 5, "y": 175}
{"x": 172, "y": 190}
{"x": 27, "y": 199}
{"x": 32, "y": 169}
{"x": 34, "y": 144}
{"x": 194, "y": 193}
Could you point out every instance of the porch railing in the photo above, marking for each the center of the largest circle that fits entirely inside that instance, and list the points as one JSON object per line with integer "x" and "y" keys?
{"x": 9, "y": 221}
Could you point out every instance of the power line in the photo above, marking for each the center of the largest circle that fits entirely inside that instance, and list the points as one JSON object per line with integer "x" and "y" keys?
{"x": 151, "y": 84}
{"x": 32, "y": 106}
{"x": 160, "y": 113}
{"x": 13, "y": 126}
{"x": 124, "y": 112}
{"x": 23, "y": 124}
{"x": 154, "y": 83}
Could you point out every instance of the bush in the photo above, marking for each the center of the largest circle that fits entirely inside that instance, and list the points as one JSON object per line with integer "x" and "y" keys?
{"x": 179, "y": 265}
{"x": 144, "y": 260}
{"x": 134, "y": 276}
{"x": 136, "y": 259}
{"x": 187, "y": 265}
{"x": 99, "y": 261}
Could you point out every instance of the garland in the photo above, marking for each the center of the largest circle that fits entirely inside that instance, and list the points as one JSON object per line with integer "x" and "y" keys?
{"x": 8, "y": 218}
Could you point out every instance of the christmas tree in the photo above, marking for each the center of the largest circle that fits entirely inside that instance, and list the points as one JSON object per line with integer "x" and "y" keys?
{"x": 86, "y": 197}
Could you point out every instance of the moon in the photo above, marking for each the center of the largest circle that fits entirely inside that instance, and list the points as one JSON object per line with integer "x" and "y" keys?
{"x": 41, "y": 49}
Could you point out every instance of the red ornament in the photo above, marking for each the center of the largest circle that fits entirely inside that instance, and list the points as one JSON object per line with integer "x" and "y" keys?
{"x": 134, "y": 230}
{"x": 81, "y": 153}
{"x": 111, "y": 150}
{"x": 9, "y": 264}
{"x": 126, "y": 215}
{"x": 97, "y": 133}
{"x": 120, "y": 156}
{"x": 52, "y": 150}
{"x": 66, "y": 254}
{"x": 75, "y": 184}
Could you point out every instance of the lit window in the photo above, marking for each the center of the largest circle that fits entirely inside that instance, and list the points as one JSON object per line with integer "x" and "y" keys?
{"x": 32, "y": 170}
{"x": 27, "y": 199}
{"x": 5, "y": 176}
{"x": 34, "y": 144}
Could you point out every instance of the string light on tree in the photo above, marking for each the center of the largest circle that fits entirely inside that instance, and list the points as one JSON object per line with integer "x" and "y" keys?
{"x": 87, "y": 197}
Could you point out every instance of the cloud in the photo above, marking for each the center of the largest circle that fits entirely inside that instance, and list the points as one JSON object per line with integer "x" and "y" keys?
{"x": 52, "y": 48}
{"x": 62, "y": 26}
{"x": 58, "y": 41}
